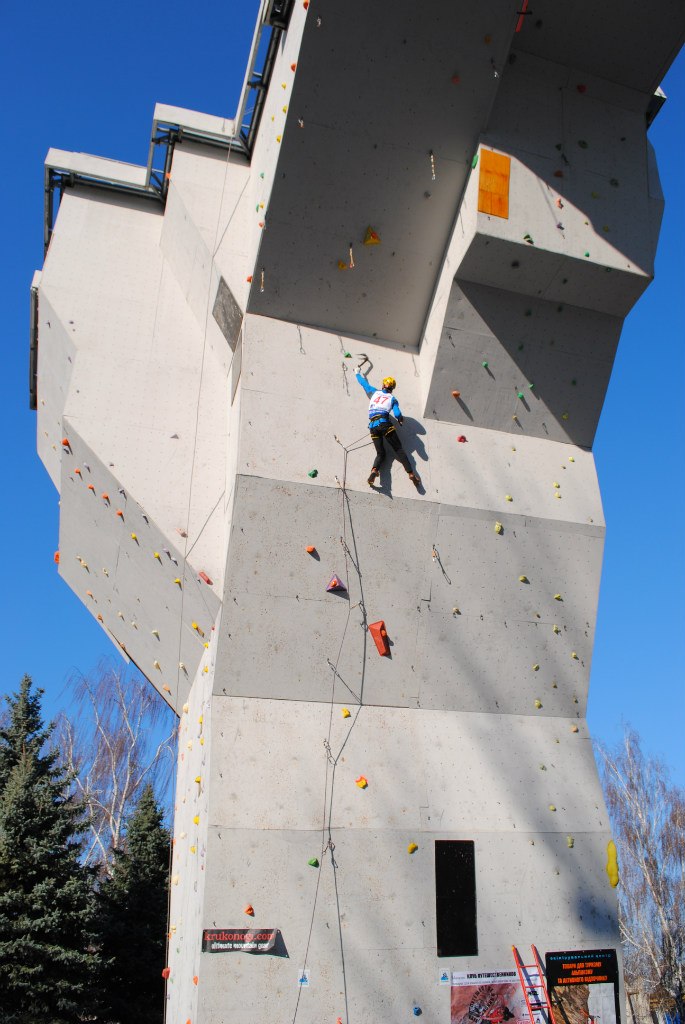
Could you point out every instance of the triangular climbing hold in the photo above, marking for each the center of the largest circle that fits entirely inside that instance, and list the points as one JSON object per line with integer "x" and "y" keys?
{"x": 249, "y": 909}
{"x": 346, "y": 712}
{"x": 362, "y": 782}
{"x": 336, "y": 584}
{"x": 380, "y": 636}
{"x": 371, "y": 237}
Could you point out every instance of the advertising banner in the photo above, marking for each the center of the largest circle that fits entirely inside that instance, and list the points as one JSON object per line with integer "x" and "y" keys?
{"x": 487, "y": 998}
{"x": 239, "y": 940}
{"x": 583, "y": 986}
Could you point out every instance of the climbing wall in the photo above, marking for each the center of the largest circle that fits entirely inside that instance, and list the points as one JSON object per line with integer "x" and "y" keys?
{"x": 367, "y": 680}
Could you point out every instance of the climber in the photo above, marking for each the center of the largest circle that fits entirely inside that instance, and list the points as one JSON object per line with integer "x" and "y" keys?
{"x": 382, "y": 403}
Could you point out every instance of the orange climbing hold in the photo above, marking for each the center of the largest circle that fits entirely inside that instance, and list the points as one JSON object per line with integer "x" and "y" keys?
{"x": 120, "y": 513}
{"x": 362, "y": 782}
{"x": 380, "y": 636}
{"x": 166, "y": 971}
{"x": 77, "y": 471}
{"x": 310, "y": 549}
{"x": 371, "y": 237}
{"x": 249, "y": 909}
{"x": 90, "y": 487}
{"x": 456, "y": 394}
{"x": 55, "y": 558}
{"x": 195, "y": 979}
{"x": 65, "y": 442}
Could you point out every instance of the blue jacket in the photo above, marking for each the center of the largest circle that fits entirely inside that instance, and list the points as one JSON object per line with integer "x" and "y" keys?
{"x": 381, "y": 405}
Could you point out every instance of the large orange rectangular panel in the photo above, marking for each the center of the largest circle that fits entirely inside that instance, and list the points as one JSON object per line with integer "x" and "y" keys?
{"x": 493, "y": 184}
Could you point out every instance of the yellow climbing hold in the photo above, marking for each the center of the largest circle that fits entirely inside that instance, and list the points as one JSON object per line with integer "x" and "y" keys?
{"x": 371, "y": 237}
{"x": 134, "y": 536}
{"x": 157, "y": 665}
{"x": 508, "y": 497}
{"x": 552, "y": 807}
{"x": 536, "y": 668}
{"x": 564, "y": 415}
{"x": 499, "y": 528}
{"x": 156, "y": 554}
{"x": 574, "y": 728}
{"x": 346, "y": 712}
{"x": 523, "y": 579}
{"x": 198, "y": 778}
{"x": 155, "y": 632}
{"x": 185, "y": 706}
{"x": 538, "y": 703}
{"x": 570, "y": 842}
{"x": 556, "y": 483}
{"x": 612, "y": 864}
{"x": 557, "y": 597}
{"x": 167, "y": 689}
{"x": 196, "y": 819}
{"x": 177, "y": 581}
{"x": 197, "y": 629}
{"x": 412, "y": 848}
{"x": 574, "y": 655}
{"x": 555, "y": 629}
{"x": 571, "y": 459}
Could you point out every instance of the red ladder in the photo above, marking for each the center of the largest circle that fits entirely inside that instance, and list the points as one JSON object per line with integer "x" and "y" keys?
{"x": 532, "y": 978}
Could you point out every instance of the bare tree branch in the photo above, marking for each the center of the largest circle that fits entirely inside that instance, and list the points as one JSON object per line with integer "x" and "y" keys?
{"x": 648, "y": 820}
{"x": 118, "y": 736}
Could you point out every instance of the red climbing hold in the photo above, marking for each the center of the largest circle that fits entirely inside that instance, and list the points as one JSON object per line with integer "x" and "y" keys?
{"x": 581, "y": 88}
{"x": 558, "y": 174}
{"x": 336, "y": 584}
{"x": 380, "y": 636}
{"x": 455, "y": 79}
{"x": 461, "y": 439}
{"x": 166, "y": 971}
{"x": 205, "y": 577}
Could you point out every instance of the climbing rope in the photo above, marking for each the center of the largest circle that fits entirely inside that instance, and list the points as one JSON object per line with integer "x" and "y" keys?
{"x": 351, "y": 559}
{"x": 187, "y": 549}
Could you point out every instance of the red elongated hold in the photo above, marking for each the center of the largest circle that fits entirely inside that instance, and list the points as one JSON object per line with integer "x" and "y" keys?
{"x": 166, "y": 971}
{"x": 380, "y": 636}
{"x": 461, "y": 439}
{"x": 305, "y": 4}
{"x": 205, "y": 577}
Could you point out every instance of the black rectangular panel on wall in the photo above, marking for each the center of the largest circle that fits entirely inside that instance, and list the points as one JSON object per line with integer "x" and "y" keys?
{"x": 455, "y": 898}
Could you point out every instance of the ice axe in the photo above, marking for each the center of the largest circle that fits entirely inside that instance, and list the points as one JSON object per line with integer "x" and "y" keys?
{"x": 364, "y": 359}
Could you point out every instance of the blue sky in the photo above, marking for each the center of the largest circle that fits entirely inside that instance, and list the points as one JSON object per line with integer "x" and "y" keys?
{"x": 86, "y": 78}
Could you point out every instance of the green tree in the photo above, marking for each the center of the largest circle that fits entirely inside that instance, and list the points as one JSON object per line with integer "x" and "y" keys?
{"x": 133, "y": 920}
{"x": 48, "y": 965}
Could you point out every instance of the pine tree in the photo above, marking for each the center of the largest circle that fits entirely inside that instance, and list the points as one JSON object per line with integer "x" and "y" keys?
{"x": 47, "y": 963}
{"x": 134, "y": 920}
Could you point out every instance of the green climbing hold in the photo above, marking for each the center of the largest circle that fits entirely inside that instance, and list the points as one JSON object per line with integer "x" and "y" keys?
{"x": 261, "y": 175}
{"x": 313, "y": 472}
{"x": 313, "y": 862}
{"x": 348, "y": 355}
{"x": 530, "y": 387}
{"x": 586, "y": 255}
{"x": 582, "y": 143}
{"x": 474, "y": 161}
{"x": 485, "y": 364}
{"x": 519, "y": 394}
{"x": 521, "y": 347}
{"x": 574, "y": 382}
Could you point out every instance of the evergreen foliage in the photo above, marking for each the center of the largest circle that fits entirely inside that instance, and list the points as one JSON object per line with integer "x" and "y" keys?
{"x": 133, "y": 921}
{"x": 48, "y": 965}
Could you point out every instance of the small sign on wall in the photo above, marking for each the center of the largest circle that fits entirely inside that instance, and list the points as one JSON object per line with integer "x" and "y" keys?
{"x": 240, "y": 940}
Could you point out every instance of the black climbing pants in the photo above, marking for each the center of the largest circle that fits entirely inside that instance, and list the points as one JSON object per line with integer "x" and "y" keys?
{"x": 387, "y": 431}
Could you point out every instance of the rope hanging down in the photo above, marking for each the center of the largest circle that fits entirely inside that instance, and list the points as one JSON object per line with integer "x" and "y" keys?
{"x": 327, "y": 845}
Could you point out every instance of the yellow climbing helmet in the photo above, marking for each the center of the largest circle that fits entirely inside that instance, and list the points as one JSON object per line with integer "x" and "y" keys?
{"x": 389, "y": 383}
